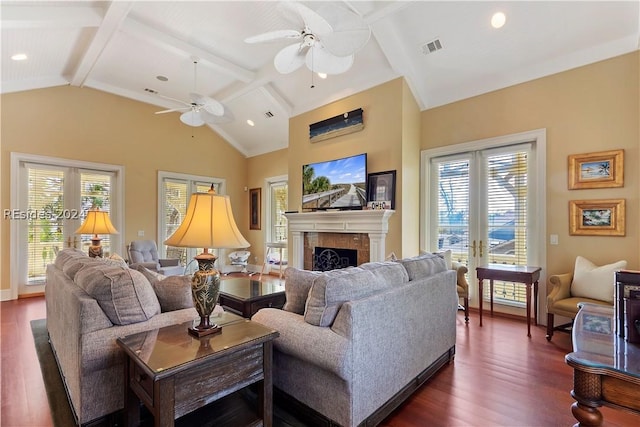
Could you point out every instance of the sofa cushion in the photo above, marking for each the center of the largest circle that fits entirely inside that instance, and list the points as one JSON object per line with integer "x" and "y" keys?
{"x": 173, "y": 292}
{"x": 389, "y": 271}
{"x": 423, "y": 265}
{"x": 73, "y": 265}
{"x": 333, "y": 288}
{"x": 595, "y": 282}
{"x": 297, "y": 284}
{"x": 124, "y": 295}
{"x": 67, "y": 254}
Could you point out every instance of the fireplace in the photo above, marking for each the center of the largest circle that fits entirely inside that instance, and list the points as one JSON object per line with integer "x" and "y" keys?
{"x": 325, "y": 259}
{"x": 364, "y": 231}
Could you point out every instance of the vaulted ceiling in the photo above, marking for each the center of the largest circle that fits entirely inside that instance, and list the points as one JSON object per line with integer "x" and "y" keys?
{"x": 122, "y": 47}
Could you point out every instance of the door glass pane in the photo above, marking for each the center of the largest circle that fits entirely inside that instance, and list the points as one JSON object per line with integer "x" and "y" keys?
{"x": 175, "y": 207}
{"x": 507, "y": 195}
{"x": 453, "y": 208}
{"x": 45, "y": 220}
{"x": 279, "y": 203}
{"x": 95, "y": 191}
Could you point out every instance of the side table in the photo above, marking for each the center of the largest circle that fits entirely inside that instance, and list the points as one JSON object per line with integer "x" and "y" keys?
{"x": 271, "y": 246}
{"x": 527, "y": 275}
{"x": 173, "y": 373}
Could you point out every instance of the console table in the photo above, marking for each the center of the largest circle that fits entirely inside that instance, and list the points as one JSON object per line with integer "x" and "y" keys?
{"x": 527, "y": 275}
{"x": 173, "y": 373}
{"x": 606, "y": 368}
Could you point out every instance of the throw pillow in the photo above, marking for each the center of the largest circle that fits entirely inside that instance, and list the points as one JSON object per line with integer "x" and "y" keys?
{"x": 124, "y": 295}
{"x": 423, "y": 265}
{"x": 173, "y": 292}
{"x": 297, "y": 284}
{"x": 595, "y": 282}
{"x": 445, "y": 255}
{"x": 389, "y": 271}
{"x": 333, "y": 288}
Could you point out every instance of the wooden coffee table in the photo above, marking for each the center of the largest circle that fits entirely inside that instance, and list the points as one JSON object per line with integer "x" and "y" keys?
{"x": 173, "y": 373}
{"x": 244, "y": 296}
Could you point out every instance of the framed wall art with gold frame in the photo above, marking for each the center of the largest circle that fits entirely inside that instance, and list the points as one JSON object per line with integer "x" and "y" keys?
{"x": 604, "y": 169}
{"x": 597, "y": 217}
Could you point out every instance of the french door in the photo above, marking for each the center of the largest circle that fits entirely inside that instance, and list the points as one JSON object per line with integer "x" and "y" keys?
{"x": 52, "y": 197}
{"x": 482, "y": 205}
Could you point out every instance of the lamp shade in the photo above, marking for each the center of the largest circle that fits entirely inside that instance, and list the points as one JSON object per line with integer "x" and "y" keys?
{"x": 97, "y": 222}
{"x": 208, "y": 223}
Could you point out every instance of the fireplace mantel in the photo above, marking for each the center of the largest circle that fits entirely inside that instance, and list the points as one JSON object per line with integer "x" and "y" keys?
{"x": 375, "y": 223}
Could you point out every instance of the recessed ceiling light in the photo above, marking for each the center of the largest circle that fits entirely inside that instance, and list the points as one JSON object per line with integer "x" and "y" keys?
{"x": 498, "y": 19}
{"x": 19, "y": 57}
{"x": 322, "y": 75}
{"x": 162, "y": 78}
{"x": 250, "y": 122}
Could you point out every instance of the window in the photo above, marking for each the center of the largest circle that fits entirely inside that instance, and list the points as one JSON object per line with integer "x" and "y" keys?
{"x": 175, "y": 191}
{"x": 51, "y": 197}
{"x": 278, "y": 198}
{"x": 481, "y": 206}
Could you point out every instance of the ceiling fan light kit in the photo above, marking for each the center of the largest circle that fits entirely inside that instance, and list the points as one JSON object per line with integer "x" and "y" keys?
{"x": 326, "y": 43}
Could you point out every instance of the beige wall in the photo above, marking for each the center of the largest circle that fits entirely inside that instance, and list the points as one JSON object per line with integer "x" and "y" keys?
{"x": 89, "y": 125}
{"x": 588, "y": 109}
{"x": 260, "y": 168}
{"x": 383, "y": 138}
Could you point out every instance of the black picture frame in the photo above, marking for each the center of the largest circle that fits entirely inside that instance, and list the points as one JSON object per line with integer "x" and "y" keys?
{"x": 381, "y": 190}
{"x": 255, "y": 208}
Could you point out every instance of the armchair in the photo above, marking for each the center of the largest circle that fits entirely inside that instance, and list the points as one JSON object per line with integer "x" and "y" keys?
{"x": 463, "y": 286}
{"x": 587, "y": 283}
{"x": 145, "y": 253}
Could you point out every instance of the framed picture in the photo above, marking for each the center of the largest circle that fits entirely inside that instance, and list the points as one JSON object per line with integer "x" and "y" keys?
{"x": 381, "y": 190}
{"x": 254, "y": 208}
{"x": 604, "y": 169}
{"x": 597, "y": 217}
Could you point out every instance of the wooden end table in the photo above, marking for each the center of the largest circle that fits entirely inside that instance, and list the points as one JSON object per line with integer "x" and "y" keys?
{"x": 244, "y": 296}
{"x": 173, "y": 373}
{"x": 606, "y": 368}
{"x": 527, "y": 275}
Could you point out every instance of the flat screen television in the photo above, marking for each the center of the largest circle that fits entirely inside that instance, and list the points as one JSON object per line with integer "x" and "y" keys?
{"x": 335, "y": 184}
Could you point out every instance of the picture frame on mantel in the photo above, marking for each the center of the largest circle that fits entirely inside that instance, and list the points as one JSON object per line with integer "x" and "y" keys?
{"x": 255, "y": 195}
{"x": 597, "y": 217}
{"x": 604, "y": 169}
{"x": 381, "y": 190}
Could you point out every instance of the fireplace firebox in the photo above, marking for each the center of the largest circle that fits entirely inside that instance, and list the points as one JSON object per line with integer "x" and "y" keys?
{"x": 325, "y": 259}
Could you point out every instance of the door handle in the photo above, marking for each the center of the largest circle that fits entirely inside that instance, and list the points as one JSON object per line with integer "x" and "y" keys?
{"x": 480, "y": 248}
{"x": 473, "y": 247}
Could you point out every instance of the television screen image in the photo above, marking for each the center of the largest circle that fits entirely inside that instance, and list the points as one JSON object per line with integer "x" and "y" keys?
{"x": 335, "y": 184}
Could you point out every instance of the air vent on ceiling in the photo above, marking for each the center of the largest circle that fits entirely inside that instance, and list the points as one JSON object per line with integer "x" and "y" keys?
{"x": 268, "y": 114}
{"x": 432, "y": 46}
{"x": 146, "y": 89}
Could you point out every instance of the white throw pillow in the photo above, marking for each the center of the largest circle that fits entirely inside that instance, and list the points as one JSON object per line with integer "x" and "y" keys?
{"x": 595, "y": 282}
{"x": 446, "y": 255}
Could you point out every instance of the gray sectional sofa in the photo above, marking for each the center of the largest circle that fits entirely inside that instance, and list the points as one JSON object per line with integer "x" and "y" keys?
{"x": 91, "y": 302}
{"x": 354, "y": 343}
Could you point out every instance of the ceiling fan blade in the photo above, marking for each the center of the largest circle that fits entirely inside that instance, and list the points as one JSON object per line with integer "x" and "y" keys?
{"x": 319, "y": 60}
{"x": 175, "y": 100}
{"x": 274, "y": 35}
{"x": 312, "y": 20}
{"x": 191, "y": 118}
{"x": 172, "y": 110}
{"x": 289, "y": 59}
{"x": 209, "y": 104}
{"x": 350, "y": 31}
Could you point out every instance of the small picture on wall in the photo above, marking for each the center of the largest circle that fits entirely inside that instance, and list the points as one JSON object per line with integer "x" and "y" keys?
{"x": 254, "y": 209}
{"x": 381, "y": 190}
{"x": 597, "y": 217}
{"x": 604, "y": 169}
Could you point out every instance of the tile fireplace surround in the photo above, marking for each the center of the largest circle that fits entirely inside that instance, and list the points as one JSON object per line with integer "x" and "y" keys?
{"x": 374, "y": 223}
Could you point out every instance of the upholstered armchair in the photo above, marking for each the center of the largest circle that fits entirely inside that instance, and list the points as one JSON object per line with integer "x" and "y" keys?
{"x": 463, "y": 286}
{"x": 145, "y": 253}
{"x": 587, "y": 283}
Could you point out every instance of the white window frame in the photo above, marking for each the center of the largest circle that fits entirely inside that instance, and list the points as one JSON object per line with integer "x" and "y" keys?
{"x": 18, "y": 187}
{"x": 268, "y": 199}
{"x": 537, "y": 175}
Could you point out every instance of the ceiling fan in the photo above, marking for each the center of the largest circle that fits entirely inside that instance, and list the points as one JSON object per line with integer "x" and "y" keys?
{"x": 200, "y": 109}
{"x": 326, "y": 43}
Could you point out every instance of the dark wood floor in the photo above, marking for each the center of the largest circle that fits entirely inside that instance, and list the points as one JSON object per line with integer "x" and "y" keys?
{"x": 499, "y": 378}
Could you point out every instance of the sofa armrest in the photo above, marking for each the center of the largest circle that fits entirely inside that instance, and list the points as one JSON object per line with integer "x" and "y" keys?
{"x": 317, "y": 345}
{"x": 153, "y": 266}
{"x": 561, "y": 287}
{"x": 461, "y": 279}
{"x": 169, "y": 262}
{"x": 177, "y": 270}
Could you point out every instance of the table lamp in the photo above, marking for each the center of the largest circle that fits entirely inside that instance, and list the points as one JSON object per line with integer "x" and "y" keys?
{"x": 96, "y": 222}
{"x": 208, "y": 223}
